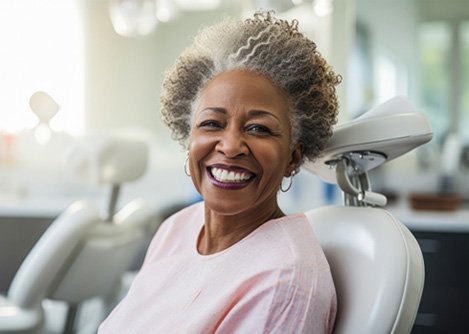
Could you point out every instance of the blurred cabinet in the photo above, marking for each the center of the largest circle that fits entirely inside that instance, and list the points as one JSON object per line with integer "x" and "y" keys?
{"x": 445, "y": 301}
{"x": 17, "y": 236}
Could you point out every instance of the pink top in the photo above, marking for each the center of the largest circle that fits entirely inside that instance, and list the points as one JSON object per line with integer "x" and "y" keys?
{"x": 275, "y": 280}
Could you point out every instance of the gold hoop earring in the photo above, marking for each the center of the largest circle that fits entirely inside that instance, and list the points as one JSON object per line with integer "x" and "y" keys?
{"x": 186, "y": 165}
{"x": 284, "y": 190}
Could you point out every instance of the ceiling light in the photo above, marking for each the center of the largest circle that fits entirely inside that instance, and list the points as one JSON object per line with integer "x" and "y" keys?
{"x": 197, "y": 4}
{"x": 133, "y": 18}
{"x": 322, "y": 7}
{"x": 166, "y": 10}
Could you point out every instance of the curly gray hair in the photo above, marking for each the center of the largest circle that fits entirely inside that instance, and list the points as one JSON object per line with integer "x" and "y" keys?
{"x": 266, "y": 45}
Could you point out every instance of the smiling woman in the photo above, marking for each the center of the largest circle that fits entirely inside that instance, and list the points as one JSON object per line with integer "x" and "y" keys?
{"x": 241, "y": 125}
{"x": 248, "y": 129}
{"x": 250, "y": 100}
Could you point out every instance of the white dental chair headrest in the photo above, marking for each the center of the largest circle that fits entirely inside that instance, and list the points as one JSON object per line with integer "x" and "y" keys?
{"x": 108, "y": 159}
{"x": 385, "y": 132}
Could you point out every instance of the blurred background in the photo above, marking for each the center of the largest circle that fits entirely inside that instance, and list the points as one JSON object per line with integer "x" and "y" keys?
{"x": 103, "y": 61}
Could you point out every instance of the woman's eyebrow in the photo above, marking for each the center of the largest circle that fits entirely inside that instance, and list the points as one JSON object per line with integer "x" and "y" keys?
{"x": 262, "y": 113}
{"x": 214, "y": 109}
{"x": 252, "y": 113}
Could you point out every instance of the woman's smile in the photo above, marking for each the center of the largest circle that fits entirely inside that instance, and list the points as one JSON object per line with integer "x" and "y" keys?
{"x": 229, "y": 177}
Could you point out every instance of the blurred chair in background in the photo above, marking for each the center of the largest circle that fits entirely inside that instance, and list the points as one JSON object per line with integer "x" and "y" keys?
{"x": 86, "y": 250}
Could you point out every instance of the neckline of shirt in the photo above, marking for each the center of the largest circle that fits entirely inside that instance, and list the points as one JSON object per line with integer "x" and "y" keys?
{"x": 198, "y": 230}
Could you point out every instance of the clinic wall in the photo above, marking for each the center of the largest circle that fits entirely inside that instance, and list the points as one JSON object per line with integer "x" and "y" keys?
{"x": 392, "y": 27}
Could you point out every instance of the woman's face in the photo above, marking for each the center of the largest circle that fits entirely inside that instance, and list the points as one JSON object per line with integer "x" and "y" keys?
{"x": 239, "y": 147}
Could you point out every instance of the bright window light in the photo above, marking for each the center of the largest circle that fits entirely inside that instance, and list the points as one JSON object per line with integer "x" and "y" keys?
{"x": 198, "y": 4}
{"x": 41, "y": 51}
{"x": 386, "y": 81}
{"x": 464, "y": 40}
{"x": 434, "y": 44}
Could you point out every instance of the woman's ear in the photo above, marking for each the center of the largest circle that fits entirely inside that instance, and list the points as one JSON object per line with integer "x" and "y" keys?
{"x": 296, "y": 159}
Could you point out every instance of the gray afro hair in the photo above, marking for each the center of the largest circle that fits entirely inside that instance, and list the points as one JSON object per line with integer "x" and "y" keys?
{"x": 266, "y": 45}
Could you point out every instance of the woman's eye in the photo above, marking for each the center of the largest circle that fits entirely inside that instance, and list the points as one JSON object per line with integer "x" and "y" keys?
{"x": 210, "y": 124}
{"x": 259, "y": 129}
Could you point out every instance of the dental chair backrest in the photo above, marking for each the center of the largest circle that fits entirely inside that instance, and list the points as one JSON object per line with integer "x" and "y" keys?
{"x": 83, "y": 254}
{"x": 376, "y": 263}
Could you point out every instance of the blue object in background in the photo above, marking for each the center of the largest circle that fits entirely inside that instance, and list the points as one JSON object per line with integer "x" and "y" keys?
{"x": 330, "y": 193}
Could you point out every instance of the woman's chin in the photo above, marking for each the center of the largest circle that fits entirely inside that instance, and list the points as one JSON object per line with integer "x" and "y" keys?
{"x": 226, "y": 206}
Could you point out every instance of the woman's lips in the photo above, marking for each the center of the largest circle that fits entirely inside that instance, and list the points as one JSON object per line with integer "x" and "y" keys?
{"x": 229, "y": 177}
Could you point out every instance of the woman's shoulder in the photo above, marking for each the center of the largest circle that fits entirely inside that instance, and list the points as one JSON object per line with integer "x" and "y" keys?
{"x": 288, "y": 250}
{"x": 178, "y": 230}
{"x": 289, "y": 241}
{"x": 302, "y": 255}
{"x": 295, "y": 230}
{"x": 182, "y": 221}
{"x": 183, "y": 215}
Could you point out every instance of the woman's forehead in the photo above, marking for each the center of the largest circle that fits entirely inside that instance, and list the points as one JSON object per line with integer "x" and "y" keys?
{"x": 241, "y": 88}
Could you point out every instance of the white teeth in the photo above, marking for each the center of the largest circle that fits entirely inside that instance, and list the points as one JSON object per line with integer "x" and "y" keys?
{"x": 222, "y": 175}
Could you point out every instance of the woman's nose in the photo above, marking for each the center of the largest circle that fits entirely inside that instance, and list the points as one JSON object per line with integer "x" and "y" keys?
{"x": 232, "y": 144}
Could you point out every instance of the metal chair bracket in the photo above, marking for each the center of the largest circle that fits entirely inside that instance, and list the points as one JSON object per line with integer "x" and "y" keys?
{"x": 352, "y": 178}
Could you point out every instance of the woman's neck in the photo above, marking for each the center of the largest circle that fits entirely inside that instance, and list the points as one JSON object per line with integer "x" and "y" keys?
{"x": 222, "y": 231}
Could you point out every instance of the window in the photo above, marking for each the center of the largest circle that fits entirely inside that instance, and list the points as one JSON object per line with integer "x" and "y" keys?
{"x": 41, "y": 50}
{"x": 391, "y": 77}
{"x": 435, "y": 40}
{"x": 464, "y": 102}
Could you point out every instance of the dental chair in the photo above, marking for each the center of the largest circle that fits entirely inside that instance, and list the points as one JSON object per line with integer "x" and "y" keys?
{"x": 376, "y": 263}
{"x": 85, "y": 251}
